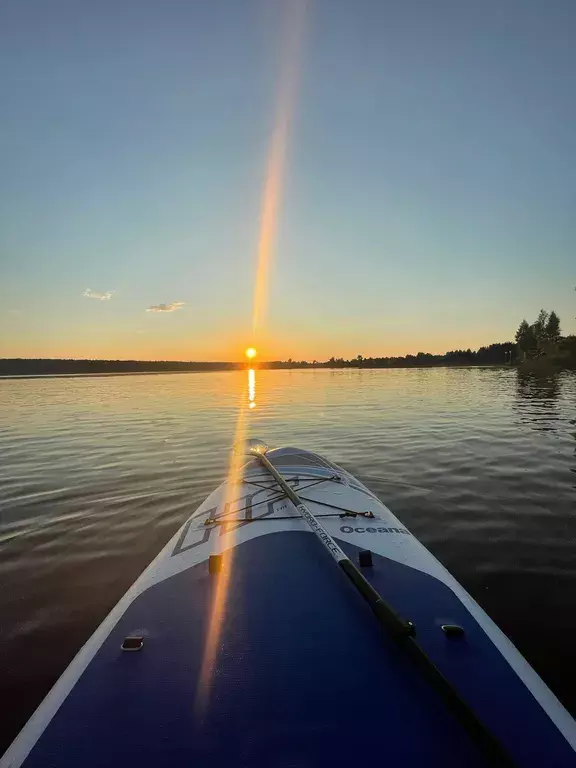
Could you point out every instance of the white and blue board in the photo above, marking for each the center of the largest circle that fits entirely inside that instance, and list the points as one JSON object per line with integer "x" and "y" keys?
{"x": 243, "y": 644}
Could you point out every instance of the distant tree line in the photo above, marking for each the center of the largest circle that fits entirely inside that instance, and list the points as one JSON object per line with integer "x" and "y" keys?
{"x": 49, "y": 367}
{"x": 492, "y": 354}
{"x": 541, "y": 339}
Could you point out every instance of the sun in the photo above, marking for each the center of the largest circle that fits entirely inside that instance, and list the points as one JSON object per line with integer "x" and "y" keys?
{"x": 251, "y": 353}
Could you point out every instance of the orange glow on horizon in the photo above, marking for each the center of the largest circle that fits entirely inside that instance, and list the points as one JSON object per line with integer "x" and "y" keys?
{"x": 277, "y": 343}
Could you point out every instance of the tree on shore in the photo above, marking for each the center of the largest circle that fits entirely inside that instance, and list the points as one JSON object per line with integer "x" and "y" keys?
{"x": 553, "y": 332}
{"x": 526, "y": 337}
{"x": 539, "y": 326}
{"x": 541, "y": 337}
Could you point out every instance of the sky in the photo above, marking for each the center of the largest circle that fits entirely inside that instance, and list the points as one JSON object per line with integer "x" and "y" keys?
{"x": 425, "y": 194}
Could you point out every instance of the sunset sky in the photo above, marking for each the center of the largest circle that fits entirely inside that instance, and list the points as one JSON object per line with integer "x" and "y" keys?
{"x": 421, "y": 155}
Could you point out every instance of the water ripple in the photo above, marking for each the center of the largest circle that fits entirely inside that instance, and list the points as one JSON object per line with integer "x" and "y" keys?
{"x": 97, "y": 474}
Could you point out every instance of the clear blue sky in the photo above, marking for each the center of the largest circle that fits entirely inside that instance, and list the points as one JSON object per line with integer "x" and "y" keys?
{"x": 430, "y": 196}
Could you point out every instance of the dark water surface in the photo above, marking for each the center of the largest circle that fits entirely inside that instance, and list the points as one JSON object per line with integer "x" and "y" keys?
{"x": 96, "y": 474}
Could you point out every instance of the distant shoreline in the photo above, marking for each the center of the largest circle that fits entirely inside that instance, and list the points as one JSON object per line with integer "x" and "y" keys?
{"x": 528, "y": 366}
{"x": 105, "y": 375}
{"x": 494, "y": 354}
{"x": 56, "y": 369}
{"x": 46, "y": 368}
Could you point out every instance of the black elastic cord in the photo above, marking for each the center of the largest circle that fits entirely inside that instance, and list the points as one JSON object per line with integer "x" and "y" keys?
{"x": 333, "y": 506}
{"x": 281, "y": 495}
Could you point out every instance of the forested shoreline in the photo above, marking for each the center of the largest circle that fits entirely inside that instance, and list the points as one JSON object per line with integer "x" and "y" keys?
{"x": 540, "y": 342}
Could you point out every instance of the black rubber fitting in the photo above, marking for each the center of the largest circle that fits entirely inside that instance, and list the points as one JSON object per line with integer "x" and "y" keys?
{"x": 452, "y": 630}
{"x": 365, "y": 558}
{"x": 132, "y": 643}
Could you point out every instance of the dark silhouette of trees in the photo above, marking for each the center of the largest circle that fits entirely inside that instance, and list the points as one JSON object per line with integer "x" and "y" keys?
{"x": 493, "y": 354}
{"x": 539, "y": 326}
{"x": 46, "y": 367}
{"x": 526, "y": 337}
{"x": 540, "y": 338}
{"x": 523, "y": 329}
{"x": 567, "y": 347}
{"x": 552, "y": 331}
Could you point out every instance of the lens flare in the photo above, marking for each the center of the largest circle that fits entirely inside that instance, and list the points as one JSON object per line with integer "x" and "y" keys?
{"x": 226, "y": 547}
{"x": 276, "y": 163}
{"x": 271, "y": 196}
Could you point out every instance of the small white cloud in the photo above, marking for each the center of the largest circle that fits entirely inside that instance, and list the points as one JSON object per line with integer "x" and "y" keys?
{"x": 172, "y": 307}
{"x": 90, "y": 294}
{"x": 14, "y": 312}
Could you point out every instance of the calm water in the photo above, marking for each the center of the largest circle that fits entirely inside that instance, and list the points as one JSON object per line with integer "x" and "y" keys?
{"x": 98, "y": 473}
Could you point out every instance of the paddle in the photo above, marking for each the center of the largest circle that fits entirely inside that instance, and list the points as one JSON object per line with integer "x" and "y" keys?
{"x": 401, "y": 630}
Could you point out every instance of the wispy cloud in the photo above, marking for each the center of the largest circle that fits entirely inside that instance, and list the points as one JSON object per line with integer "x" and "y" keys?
{"x": 172, "y": 307}
{"x": 14, "y": 312}
{"x": 90, "y": 294}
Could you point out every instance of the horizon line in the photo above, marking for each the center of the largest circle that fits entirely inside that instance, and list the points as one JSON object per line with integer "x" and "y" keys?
{"x": 255, "y": 363}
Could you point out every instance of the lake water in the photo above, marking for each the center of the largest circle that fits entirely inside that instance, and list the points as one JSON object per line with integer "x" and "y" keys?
{"x": 96, "y": 473}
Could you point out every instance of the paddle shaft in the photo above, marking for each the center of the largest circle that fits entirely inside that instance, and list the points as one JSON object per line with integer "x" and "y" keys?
{"x": 393, "y": 623}
{"x": 401, "y": 630}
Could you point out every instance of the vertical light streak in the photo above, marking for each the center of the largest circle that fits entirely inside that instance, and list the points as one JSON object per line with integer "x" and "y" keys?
{"x": 276, "y": 162}
{"x": 271, "y": 199}
{"x": 222, "y": 580}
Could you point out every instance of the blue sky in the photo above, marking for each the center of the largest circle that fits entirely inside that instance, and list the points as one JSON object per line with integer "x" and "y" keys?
{"x": 429, "y": 200}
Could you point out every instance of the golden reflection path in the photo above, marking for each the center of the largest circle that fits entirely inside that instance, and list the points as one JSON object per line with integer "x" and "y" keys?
{"x": 226, "y": 546}
{"x": 251, "y": 388}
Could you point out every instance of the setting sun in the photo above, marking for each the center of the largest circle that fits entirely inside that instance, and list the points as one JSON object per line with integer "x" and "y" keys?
{"x": 250, "y": 353}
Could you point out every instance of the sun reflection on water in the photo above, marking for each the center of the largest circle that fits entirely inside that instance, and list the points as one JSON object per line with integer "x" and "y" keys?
{"x": 251, "y": 388}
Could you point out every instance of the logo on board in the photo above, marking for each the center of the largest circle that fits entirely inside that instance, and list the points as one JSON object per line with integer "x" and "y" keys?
{"x": 350, "y": 529}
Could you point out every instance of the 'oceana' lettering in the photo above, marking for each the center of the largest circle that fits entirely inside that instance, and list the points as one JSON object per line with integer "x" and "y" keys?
{"x": 350, "y": 529}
